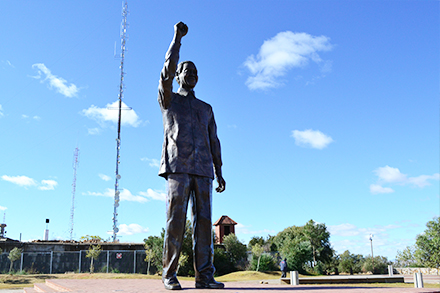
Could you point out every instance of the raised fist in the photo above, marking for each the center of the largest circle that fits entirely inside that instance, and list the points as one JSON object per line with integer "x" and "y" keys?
{"x": 180, "y": 29}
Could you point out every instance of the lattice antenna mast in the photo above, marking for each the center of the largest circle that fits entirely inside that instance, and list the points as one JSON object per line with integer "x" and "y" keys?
{"x": 118, "y": 140}
{"x": 72, "y": 210}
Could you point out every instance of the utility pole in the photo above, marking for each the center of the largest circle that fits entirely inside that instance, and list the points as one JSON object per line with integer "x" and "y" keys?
{"x": 372, "y": 257}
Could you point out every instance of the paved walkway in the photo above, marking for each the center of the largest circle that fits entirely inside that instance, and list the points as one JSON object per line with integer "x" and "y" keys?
{"x": 149, "y": 286}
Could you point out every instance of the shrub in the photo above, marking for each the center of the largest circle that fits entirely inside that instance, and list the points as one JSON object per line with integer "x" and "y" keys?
{"x": 222, "y": 262}
{"x": 267, "y": 263}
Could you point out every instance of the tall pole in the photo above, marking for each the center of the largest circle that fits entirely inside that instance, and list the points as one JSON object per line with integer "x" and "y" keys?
{"x": 372, "y": 257}
{"x": 72, "y": 210}
{"x": 118, "y": 140}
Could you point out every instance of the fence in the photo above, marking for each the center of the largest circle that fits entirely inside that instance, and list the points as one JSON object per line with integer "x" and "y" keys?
{"x": 54, "y": 262}
{"x": 411, "y": 271}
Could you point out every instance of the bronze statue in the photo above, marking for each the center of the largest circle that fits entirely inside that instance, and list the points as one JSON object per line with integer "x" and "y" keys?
{"x": 190, "y": 151}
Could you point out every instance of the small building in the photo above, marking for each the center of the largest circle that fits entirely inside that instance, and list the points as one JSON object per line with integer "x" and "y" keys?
{"x": 223, "y": 227}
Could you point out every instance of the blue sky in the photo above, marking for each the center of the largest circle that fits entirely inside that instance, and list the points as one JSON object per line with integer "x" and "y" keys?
{"x": 326, "y": 110}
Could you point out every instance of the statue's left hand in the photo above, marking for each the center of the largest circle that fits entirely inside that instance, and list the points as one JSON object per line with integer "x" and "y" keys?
{"x": 221, "y": 184}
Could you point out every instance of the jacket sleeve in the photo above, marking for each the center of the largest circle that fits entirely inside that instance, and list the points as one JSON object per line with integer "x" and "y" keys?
{"x": 215, "y": 144}
{"x": 167, "y": 75}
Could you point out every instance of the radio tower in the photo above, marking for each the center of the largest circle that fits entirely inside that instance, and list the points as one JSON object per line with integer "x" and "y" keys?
{"x": 118, "y": 140}
{"x": 72, "y": 210}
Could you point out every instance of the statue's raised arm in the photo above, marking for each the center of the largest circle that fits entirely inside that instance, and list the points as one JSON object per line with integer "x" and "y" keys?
{"x": 169, "y": 68}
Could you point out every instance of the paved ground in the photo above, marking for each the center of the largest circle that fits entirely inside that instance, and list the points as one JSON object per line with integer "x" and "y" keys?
{"x": 149, "y": 286}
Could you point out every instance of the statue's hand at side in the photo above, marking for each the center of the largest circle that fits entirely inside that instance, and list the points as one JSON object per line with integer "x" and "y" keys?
{"x": 180, "y": 29}
{"x": 221, "y": 184}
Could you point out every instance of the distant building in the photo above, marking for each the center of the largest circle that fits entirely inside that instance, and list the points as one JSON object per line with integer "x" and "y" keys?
{"x": 223, "y": 227}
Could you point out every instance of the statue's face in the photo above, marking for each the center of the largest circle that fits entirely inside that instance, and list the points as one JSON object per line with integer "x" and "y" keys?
{"x": 188, "y": 78}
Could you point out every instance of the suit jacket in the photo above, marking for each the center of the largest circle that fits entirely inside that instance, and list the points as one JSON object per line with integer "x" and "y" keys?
{"x": 190, "y": 141}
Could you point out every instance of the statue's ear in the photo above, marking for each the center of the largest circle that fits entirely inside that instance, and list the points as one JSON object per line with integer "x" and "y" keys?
{"x": 177, "y": 79}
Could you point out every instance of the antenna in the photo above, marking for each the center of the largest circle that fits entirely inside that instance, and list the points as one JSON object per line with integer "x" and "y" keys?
{"x": 3, "y": 226}
{"x": 118, "y": 140}
{"x": 72, "y": 210}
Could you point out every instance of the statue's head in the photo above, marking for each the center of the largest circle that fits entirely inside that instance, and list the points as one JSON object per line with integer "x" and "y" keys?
{"x": 186, "y": 75}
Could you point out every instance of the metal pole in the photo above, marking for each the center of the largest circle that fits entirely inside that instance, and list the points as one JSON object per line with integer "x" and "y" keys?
{"x": 134, "y": 262}
{"x": 79, "y": 269}
{"x": 108, "y": 259}
{"x": 372, "y": 257}
{"x": 21, "y": 262}
{"x": 51, "y": 260}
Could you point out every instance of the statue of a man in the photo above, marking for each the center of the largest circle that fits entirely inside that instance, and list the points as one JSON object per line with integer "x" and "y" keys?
{"x": 191, "y": 150}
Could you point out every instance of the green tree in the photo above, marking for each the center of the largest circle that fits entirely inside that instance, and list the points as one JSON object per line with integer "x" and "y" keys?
{"x": 319, "y": 239}
{"x": 256, "y": 240}
{"x": 380, "y": 265}
{"x": 14, "y": 255}
{"x": 295, "y": 247}
{"x": 187, "y": 268}
{"x": 91, "y": 238}
{"x": 267, "y": 243}
{"x": 332, "y": 265}
{"x": 350, "y": 263}
{"x": 183, "y": 260}
{"x": 148, "y": 257}
{"x": 154, "y": 246}
{"x": 406, "y": 257}
{"x": 93, "y": 253}
{"x": 236, "y": 250}
{"x": 222, "y": 262}
{"x": 257, "y": 252}
{"x": 428, "y": 245}
{"x": 264, "y": 263}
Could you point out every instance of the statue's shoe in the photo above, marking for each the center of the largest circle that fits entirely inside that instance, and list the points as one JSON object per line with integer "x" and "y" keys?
{"x": 171, "y": 284}
{"x": 211, "y": 284}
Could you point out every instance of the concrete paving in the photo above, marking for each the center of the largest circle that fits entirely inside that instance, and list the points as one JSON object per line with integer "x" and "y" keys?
{"x": 149, "y": 286}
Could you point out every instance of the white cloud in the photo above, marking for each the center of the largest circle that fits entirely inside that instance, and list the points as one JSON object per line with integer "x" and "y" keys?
{"x": 111, "y": 114}
{"x": 24, "y": 116}
{"x": 27, "y": 181}
{"x": 125, "y": 195}
{"x": 48, "y": 185}
{"x": 284, "y": 51}
{"x": 60, "y": 84}
{"x": 104, "y": 177}
{"x": 312, "y": 138}
{"x": 242, "y": 229}
{"x": 151, "y": 162}
{"x": 343, "y": 230}
{"x": 93, "y": 131}
{"x": 376, "y": 188}
{"x": 392, "y": 175}
{"x": 386, "y": 238}
{"x": 7, "y": 62}
{"x": 155, "y": 195}
{"x": 20, "y": 180}
{"x": 3, "y": 208}
{"x": 1, "y": 111}
{"x": 422, "y": 180}
{"x": 131, "y": 229}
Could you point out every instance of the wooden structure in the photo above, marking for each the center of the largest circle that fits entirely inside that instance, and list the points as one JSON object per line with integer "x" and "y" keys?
{"x": 223, "y": 227}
